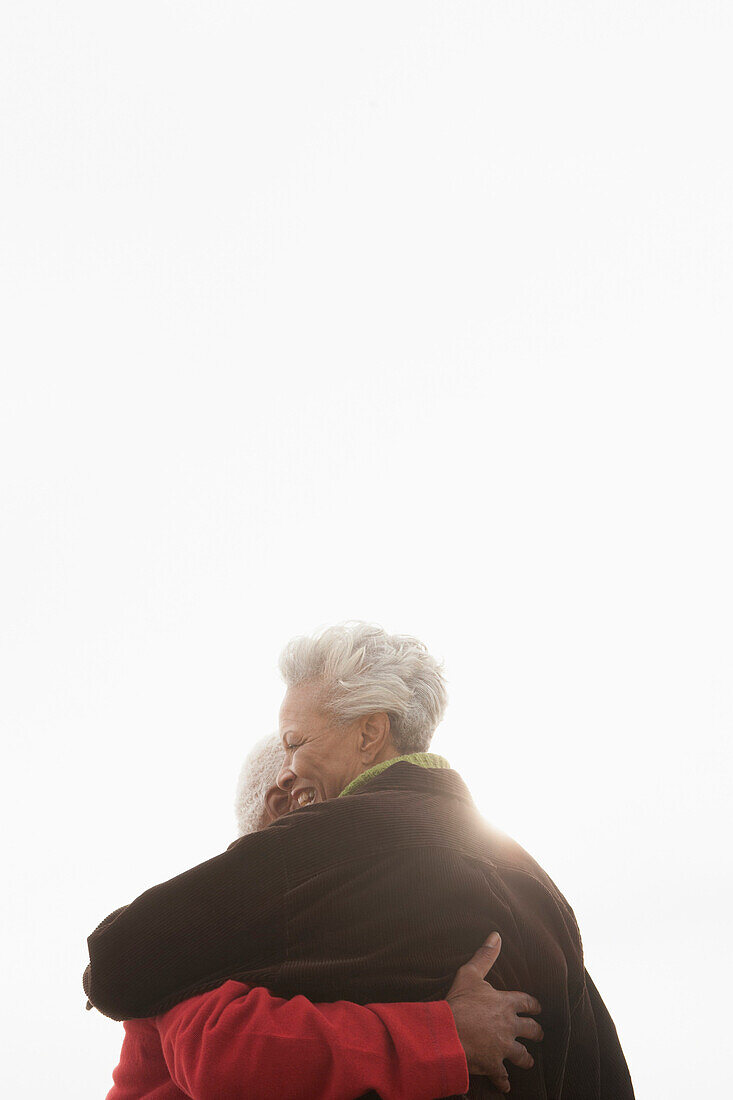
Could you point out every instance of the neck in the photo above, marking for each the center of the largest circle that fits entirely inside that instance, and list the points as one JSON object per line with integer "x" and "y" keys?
{"x": 387, "y": 752}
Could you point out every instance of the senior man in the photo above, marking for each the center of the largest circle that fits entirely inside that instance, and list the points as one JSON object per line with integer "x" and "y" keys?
{"x": 381, "y": 883}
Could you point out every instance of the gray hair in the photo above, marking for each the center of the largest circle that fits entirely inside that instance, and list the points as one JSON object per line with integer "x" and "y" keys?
{"x": 364, "y": 670}
{"x": 257, "y": 775}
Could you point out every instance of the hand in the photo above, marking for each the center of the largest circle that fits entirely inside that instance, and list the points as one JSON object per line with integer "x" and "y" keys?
{"x": 487, "y": 1019}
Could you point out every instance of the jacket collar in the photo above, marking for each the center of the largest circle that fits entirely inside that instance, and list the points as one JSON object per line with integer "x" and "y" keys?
{"x": 421, "y": 759}
{"x": 404, "y": 776}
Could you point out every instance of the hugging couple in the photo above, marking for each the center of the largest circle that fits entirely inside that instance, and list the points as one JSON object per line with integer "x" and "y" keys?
{"x": 338, "y": 948}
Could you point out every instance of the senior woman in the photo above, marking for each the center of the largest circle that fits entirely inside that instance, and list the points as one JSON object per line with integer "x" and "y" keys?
{"x": 382, "y": 882}
{"x": 236, "y": 1041}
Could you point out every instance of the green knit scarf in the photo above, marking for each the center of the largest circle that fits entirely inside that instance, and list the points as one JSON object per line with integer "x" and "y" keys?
{"x": 422, "y": 759}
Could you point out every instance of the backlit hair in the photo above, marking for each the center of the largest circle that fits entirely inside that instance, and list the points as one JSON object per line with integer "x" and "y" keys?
{"x": 363, "y": 669}
{"x": 257, "y": 775}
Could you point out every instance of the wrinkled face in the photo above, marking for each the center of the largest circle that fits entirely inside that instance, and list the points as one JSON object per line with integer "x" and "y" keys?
{"x": 321, "y": 757}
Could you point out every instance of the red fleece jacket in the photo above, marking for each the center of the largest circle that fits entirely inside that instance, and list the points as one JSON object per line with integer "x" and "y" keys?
{"x": 239, "y": 1042}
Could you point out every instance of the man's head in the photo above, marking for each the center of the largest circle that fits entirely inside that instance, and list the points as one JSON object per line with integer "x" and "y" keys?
{"x": 356, "y": 696}
{"x": 258, "y": 800}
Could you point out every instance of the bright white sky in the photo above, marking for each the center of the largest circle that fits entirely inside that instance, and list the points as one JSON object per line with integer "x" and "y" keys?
{"x": 416, "y": 312}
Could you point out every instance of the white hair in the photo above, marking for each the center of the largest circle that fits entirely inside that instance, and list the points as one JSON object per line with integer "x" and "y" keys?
{"x": 257, "y": 775}
{"x": 362, "y": 670}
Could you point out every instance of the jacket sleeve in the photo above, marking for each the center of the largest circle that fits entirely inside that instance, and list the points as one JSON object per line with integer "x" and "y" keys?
{"x": 234, "y": 1042}
{"x": 142, "y": 1073}
{"x": 231, "y": 907}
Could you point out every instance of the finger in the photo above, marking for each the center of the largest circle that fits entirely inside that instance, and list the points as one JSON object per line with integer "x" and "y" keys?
{"x": 486, "y": 955}
{"x": 520, "y": 1056}
{"x": 528, "y": 1029}
{"x": 500, "y": 1079}
{"x": 523, "y": 1002}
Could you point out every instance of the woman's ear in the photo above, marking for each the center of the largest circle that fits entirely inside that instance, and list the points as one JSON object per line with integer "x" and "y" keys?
{"x": 374, "y": 738}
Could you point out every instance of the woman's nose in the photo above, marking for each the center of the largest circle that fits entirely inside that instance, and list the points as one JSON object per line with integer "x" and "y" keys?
{"x": 285, "y": 777}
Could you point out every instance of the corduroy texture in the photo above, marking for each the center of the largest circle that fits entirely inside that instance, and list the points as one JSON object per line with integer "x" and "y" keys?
{"x": 380, "y": 896}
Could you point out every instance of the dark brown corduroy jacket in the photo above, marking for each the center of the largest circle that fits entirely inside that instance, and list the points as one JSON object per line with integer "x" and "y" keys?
{"x": 379, "y": 896}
